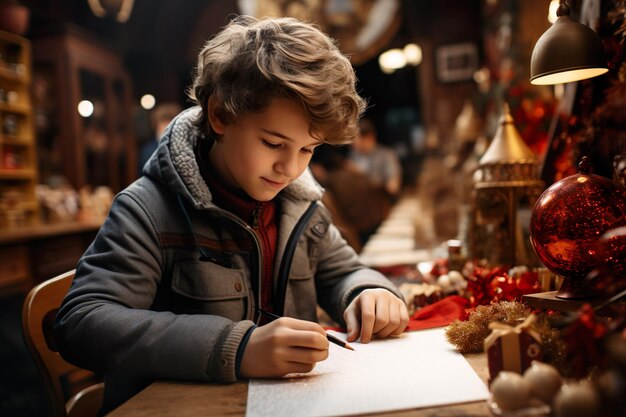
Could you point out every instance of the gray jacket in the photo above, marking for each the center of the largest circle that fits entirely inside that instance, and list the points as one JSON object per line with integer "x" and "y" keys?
{"x": 167, "y": 288}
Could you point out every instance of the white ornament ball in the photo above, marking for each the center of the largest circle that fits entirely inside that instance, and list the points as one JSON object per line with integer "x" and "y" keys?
{"x": 510, "y": 391}
{"x": 543, "y": 380}
{"x": 457, "y": 280}
{"x": 444, "y": 281}
{"x": 578, "y": 399}
{"x": 456, "y": 277}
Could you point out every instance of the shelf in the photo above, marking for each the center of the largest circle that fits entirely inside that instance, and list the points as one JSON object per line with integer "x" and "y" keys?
{"x": 16, "y": 140}
{"x": 28, "y": 206}
{"x": 74, "y": 67}
{"x": 10, "y": 74}
{"x": 17, "y": 174}
{"x": 16, "y": 108}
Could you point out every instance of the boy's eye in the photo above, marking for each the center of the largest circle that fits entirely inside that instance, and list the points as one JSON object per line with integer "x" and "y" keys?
{"x": 307, "y": 151}
{"x": 270, "y": 144}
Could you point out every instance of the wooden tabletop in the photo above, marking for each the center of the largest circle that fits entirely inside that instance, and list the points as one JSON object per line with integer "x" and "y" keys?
{"x": 185, "y": 399}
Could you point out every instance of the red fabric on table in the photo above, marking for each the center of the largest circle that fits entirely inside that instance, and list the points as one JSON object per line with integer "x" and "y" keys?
{"x": 438, "y": 314}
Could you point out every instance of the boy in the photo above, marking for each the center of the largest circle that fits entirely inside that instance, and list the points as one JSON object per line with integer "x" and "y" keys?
{"x": 224, "y": 222}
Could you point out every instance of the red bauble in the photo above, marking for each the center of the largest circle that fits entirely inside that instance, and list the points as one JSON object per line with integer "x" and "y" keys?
{"x": 567, "y": 221}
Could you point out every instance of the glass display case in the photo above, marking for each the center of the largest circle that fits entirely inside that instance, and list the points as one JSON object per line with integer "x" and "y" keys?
{"x": 82, "y": 99}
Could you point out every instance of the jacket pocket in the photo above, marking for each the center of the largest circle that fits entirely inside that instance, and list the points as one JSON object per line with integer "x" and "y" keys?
{"x": 301, "y": 267}
{"x": 301, "y": 296}
{"x": 214, "y": 288}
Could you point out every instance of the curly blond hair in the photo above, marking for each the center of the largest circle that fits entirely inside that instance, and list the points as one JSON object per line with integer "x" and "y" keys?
{"x": 251, "y": 62}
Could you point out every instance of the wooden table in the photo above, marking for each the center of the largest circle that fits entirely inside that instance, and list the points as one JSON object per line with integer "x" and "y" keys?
{"x": 184, "y": 399}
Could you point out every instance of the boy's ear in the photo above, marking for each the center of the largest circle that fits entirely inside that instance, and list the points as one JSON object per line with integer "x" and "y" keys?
{"x": 216, "y": 115}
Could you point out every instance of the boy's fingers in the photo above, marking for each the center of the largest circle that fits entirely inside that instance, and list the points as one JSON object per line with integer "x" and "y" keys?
{"x": 385, "y": 328}
{"x": 368, "y": 318}
{"x": 352, "y": 324}
{"x": 298, "y": 324}
{"x": 383, "y": 316}
{"x": 307, "y": 339}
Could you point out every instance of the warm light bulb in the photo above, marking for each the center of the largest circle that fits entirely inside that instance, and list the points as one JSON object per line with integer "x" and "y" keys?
{"x": 482, "y": 75}
{"x": 569, "y": 76}
{"x": 413, "y": 54}
{"x": 147, "y": 101}
{"x": 85, "y": 108}
{"x": 391, "y": 60}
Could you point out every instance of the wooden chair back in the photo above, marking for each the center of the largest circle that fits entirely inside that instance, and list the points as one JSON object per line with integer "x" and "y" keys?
{"x": 59, "y": 376}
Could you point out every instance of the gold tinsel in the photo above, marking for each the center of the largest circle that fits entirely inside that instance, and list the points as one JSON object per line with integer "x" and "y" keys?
{"x": 469, "y": 336}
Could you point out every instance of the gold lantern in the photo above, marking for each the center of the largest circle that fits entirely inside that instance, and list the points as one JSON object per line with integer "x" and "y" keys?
{"x": 506, "y": 187}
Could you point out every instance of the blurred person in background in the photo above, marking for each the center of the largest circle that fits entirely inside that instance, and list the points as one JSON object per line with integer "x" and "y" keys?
{"x": 357, "y": 203}
{"x": 160, "y": 117}
{"x": 379, "y": 162}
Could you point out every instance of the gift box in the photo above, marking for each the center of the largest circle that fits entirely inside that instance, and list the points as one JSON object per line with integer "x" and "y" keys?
{"x": 512, "y": 348}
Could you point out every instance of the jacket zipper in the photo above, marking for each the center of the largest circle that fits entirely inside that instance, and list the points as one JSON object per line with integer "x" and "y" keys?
{"x": 250, "y": 230}
{"x": 285, "y": 264}
{"x": 255, "y": 216}
{"x": 259, "y": 255}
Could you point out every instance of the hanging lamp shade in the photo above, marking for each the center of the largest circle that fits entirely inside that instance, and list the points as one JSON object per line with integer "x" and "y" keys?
{"x": 568, "y": 51}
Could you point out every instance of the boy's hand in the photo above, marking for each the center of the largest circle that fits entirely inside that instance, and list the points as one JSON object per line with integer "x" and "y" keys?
{"x": 283, "y": 346}
{"x": 375, "y": 312}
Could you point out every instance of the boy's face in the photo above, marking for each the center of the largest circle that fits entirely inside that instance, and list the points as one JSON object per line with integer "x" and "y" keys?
{"x": 263, "y": 152}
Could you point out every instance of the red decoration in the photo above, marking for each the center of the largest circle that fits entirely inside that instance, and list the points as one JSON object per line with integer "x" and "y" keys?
{"x": 532, "y": 118}
{"x": 439, "y": 314}
{"x": 486, "y": 285}
{"x": 440, "y": 267}
{"x": 567, "y": 221}
{"x": 584, "y": 340}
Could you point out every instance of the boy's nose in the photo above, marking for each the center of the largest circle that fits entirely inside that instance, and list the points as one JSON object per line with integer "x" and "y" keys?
{"x": 288, "y": 166}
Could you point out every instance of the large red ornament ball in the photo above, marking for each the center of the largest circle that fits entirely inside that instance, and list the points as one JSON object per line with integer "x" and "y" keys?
{"x": 567, "y": 221}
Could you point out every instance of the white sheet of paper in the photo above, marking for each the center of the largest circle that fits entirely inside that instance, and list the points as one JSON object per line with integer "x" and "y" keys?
{"x": 419, "y": 369}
